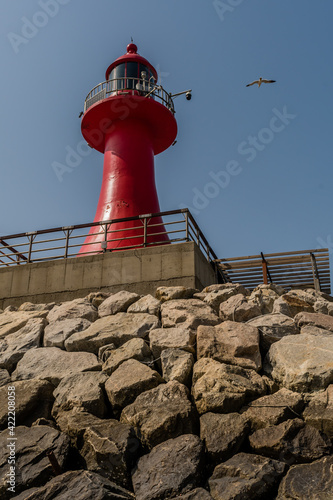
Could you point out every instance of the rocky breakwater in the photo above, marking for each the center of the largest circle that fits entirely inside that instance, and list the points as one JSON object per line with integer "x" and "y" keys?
{"x": 214, "y": 394}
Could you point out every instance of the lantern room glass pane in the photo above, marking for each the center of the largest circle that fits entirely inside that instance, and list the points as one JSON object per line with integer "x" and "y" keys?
{"x": 118, "y": 74}
{"x": 132, "y": 72}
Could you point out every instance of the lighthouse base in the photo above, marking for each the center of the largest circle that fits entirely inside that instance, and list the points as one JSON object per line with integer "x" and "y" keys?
{"x": 140, "y": 270}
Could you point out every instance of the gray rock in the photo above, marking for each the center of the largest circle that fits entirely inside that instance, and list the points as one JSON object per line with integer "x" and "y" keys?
{"x": 57, "y": 332}
{"x": 264, "y": 297}
{"x": 291, "y": 304}
{"x": 197, "y": 494}
{"x": 215, "y": 297}
{"x": 323, "y": 307}
{"x": 292, "y": 442}
{"x": 302, "y": 363}
{"x": 29, "y": 306}
{"x": 96, "y": 298}
{"x": 12, "y": 321}
{"x": 319, "y": 412}
{"x": 272, "y": 327}
{"x": 171, "y": 338}
{"x": 221, "y": 388}
{"x": 81, "y": 485}
{"x": 238, "y": 308}
{"x": 165, "y": 293}
{"x": 147, "y": 304}
{"x": 84, "y": 390}
{"x": 135, "y": 348}
{"x": 4, "y": 377}
{"x": 128, "y": 381}
{"x": 77, "y": 308}
{"x": 75, "y": 422}
{"x": 274, "y": 408}
{"x": 15, "y": 345}
{"x": 314, "y": 319}
{"x": 223, "y": 435}
{"x": 171, "y": 468}
{"x": 116, "y": 329}
{"x": 117, "y": 302}
{"x": 177, "y": 365}
{"x": 53, "y": 364}
{"x": 246, "y": 476}
{"x": 188, "y": 313}
{"x": 230, "y": 342}
{"x": 33, "y": 399}
{"x": 228, "y": 288}
{"x": 311, "y": 481}
{"x": 32, "y": 466}
{"x": 161, "y": 413}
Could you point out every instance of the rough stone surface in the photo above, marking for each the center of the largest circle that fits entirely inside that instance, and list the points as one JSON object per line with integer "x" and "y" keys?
{"x": 197, "y": 494}
{"x": 314, "y": 319}
{"x": 33, "y": 399}
{"x": 274, "y": 408}
{"x": 246, "y": 476}
{"x": 272, "y": 327}
{"x": 319, "y": 412}
{"x": 230, "y": 342}
{"x": 58, "y": 331}
{"x": 223, "y": 435}
{"x": 177, "y": 365}
{"x": 4, "y": 377}
{"x": 29, "y": 306}
{"x": 135, "y": 348}
{"x": 128, "y": 381}
{"x": 11, "y": 321}
{"x": 171, "y": 468}
{"x": 84, "y": 390}
{"x": 171, "y": 338}
{"x": 215, "y": 297}
{"x": 311, "y": 481}
{"x": 165, "y": 293}
{"x": 290, "y": 304}
{"x": 96, "y": 298}
{"x": 291, "y": 441}
{"x": 188, "y": 313}
{"x": 161, "y": 413}
{"x": 238, "y": 308}
{"x": 302, "y": 363}
{"x": 264, "y": 297}
{"x": 116, "y": 329}
{"x": 32, "y": 466}
{"x": 77, "y": 308}
{"x": 80, "y": 485}
{"x": 74, "y": 423}
{"x": 147, "y": 304}
{"x": 117, "y": 302}
{"x": 221, "y": 388}
{"x": 15, "y": 345}
{"x": 323, "y": 307}
{"x": 229, "y": 288}
{"x": 53, "y": 364}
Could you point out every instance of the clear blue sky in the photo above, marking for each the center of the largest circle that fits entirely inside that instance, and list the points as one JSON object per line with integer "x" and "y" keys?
{"x": 279, "y": 196}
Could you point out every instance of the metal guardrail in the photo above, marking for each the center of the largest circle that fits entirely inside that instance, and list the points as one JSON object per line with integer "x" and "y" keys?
{"x": 129, "y": 86}
{"x": 65, "y": 242}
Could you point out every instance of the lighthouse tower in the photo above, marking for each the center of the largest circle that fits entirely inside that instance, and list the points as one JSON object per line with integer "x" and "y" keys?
{"x": 129, "y": 118}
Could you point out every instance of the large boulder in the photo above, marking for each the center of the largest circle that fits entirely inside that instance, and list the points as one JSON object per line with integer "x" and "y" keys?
{"x": 11, "y": 321}
{"x": 147, "y": 304}
{"x": 84, "y": 390}
{"x": 274, "y": 408}
{"x": 15, "y": 345}
{"x": 314, "y": 319}
{"x": 230, "y": 342}
{"x": 311, "y": 481}
{"x": 221, "y": 388}
{"x": 74, "y": 423}
{"x": 33, "y": 399}
{"x": 81, "y": 485}
{"x": 188, "y": 313}
{"x": 135, "y": 348}
{"x": 171, "y": 468}
{"x": 216, "y": 296}
{"x": 161, "y": 413}
{"x": 128, "y": 381}
{"x": 165, "y": 293}
{"x": 264, "y": 297}
{"x": 116, "y": 329}
{"x": 53, "y": 364}
{"x": 223, "y": 435}
{"x": 291, "y": 304}
{"x": 30, "y": 447}
{"x": 302, "y": 363}
{"x": 272, "y": 327}
{"x": 117, "y": 302}
{"x": 238, "y": 308}
{"x": 177, "y": 365}
{"x": 77, "y": 308}
{"x": 246, "y": 476}
{"x": 4, "y": 377}
{"x": 171, "y": 338}
{"x": 197, "y": 494}
{"x": 292, "y": 442}
{"x": 58, "y": 331}
{"x": 319, "y": 412}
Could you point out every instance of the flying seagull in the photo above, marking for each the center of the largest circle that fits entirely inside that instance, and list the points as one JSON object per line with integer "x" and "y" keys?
{"x": 260, "y": 81}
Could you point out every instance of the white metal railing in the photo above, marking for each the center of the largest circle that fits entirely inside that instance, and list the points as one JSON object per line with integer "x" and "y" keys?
{"x": 129, "y": 86}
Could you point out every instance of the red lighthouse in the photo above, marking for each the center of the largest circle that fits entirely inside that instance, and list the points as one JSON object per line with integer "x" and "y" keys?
{"x": 129, "y": 118}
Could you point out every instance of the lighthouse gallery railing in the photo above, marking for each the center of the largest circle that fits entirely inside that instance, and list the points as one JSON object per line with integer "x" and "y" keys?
{"x": 65, "y": 242}
{"x": 128, "y": 86}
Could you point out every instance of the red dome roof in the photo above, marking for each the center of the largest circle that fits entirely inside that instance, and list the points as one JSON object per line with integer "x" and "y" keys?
{"x": 131, "y": 55}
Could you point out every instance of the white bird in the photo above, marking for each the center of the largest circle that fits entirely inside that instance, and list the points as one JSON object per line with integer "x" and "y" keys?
{"x": 260, "y": 81}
